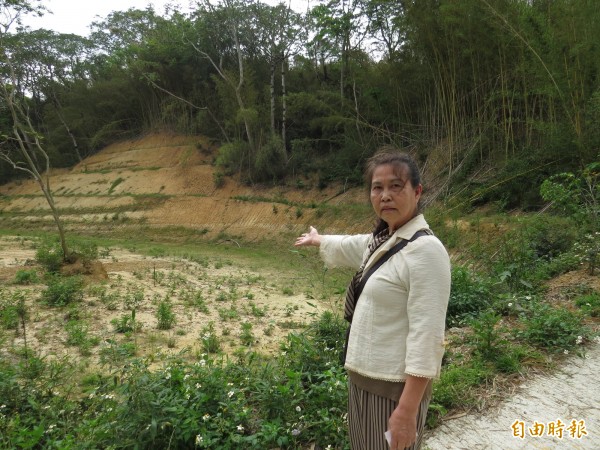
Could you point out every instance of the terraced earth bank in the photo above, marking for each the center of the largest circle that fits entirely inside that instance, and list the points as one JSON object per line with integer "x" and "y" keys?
{"x": 167, "y": 181}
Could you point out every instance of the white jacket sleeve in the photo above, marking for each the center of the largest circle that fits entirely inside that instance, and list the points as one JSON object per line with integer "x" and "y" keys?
{"x": 344, "y": 251}
{"x": 428, "y": 293}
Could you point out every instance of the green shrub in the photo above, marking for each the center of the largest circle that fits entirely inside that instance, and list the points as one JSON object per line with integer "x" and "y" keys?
{"x": 218, "y": 180}
{"x": 246, "y": 336}
{"x": 589, "y": 304}
{"x": 455, "y": 388}
{"x": 515, "y": 261}
{"x": 329, "y": 330}
{"x": 209, "y": 340}
{"x": 78, "y": 336}
{"x": 165, "y": 315}
{"x": 50, "y": 256}
{"x": 550, "y": 236}
{"x": 12, "y": 306}
{"x": 469, "y": 294}
{"x": 85, "y": 250}
{"x": 553, "y": 329}
{"x": 270, "y": 160}
{"x": 563, "y": 263}
{"x": 232, "y": 155}
{"x": 114, "y": 353}
{"x": 576, "y": 194}
{"x": 587, "y": 250}
{"x": 486, "y": 337}
{"x": 26, "y": 276}
{"x": 62, "y": 291}
{"x": 126, "y": 323}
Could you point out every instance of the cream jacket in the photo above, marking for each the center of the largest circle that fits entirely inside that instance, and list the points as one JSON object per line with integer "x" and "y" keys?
{"x": 399, "y": 321}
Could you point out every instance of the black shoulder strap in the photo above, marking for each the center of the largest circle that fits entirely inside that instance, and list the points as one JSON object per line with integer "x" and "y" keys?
{"x": 391, "y": 252}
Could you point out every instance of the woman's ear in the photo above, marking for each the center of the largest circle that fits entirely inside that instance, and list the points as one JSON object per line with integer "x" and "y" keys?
{"x": 418, "y": 191}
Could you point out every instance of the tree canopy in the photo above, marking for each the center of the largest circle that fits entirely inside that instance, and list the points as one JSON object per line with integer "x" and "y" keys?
{"x": 508, "y": 89}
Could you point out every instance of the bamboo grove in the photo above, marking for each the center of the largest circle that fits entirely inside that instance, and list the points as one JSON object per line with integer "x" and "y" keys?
{"x": 493, "y": 96}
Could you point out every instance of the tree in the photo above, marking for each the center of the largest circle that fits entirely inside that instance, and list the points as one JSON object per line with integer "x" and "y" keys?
{"x": 336, "y": 23}
{"x": 46, "y": 64}
{"x": 23, "y": 137}
{"x": 226, "y": 28}
{"x": 280, "y": 34}
{"x": 385, "y": 22}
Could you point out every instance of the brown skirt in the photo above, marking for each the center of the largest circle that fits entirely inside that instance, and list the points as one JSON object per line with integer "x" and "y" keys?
{"x": 368, "y": 416}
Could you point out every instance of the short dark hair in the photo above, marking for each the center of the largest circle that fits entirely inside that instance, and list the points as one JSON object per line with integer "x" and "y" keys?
{"x": 399, "y": 161}
{"x": 396, "y": 159}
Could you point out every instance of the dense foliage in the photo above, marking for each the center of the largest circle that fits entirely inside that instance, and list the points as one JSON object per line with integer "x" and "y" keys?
{"x": 494, "y": 95}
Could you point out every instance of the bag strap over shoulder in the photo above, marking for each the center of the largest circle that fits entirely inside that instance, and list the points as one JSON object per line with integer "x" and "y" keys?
{"x": 391, "y": 252}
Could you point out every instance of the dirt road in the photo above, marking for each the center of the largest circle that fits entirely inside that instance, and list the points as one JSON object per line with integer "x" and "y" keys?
{"x": 571, "y": 394}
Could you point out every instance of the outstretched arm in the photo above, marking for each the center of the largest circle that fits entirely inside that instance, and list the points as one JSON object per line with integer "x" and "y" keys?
{"x": 311, "y": 238}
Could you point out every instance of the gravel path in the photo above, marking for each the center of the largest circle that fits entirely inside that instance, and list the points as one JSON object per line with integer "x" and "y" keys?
{"x": 572, "y": 393}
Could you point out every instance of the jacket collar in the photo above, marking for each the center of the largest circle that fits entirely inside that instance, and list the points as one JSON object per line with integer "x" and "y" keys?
{"x": 406, "y": 231}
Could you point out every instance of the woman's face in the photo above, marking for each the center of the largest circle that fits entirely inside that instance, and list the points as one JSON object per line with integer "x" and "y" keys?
{"x": 393, "y": 196}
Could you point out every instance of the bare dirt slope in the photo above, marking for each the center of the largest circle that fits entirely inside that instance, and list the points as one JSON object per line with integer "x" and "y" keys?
{"x": 169, "y": 180}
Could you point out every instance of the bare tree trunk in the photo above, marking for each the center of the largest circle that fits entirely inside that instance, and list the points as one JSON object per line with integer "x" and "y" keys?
{"x": 283, "y": 106}
{"x": 272, "y": 96}
{"x": 35, "y": 174}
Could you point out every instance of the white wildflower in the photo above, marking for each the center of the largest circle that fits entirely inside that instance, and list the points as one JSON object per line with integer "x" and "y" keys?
{"x": 579, "y": 340}
{"x": 205, "y": 417}
{"x": 566, "y": 352}
{"x": 198, "y": 440}
{"x": 198, "y": 385}
{"x": 295, "y": 432}
{"x": 240, "y": 428}
{"x": 230, "y": 394}
{"x": 510, "y": 305}
{"x": 298, "y": 408}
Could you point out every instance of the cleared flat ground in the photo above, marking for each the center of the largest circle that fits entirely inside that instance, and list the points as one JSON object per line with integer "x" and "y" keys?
{"x": 571, "y": 393}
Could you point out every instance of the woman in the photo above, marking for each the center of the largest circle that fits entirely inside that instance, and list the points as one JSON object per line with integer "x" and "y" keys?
{"x": 396, "y": 341}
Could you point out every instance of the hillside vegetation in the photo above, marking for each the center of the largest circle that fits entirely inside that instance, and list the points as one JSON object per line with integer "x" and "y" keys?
{"x": 491, "y": 96}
